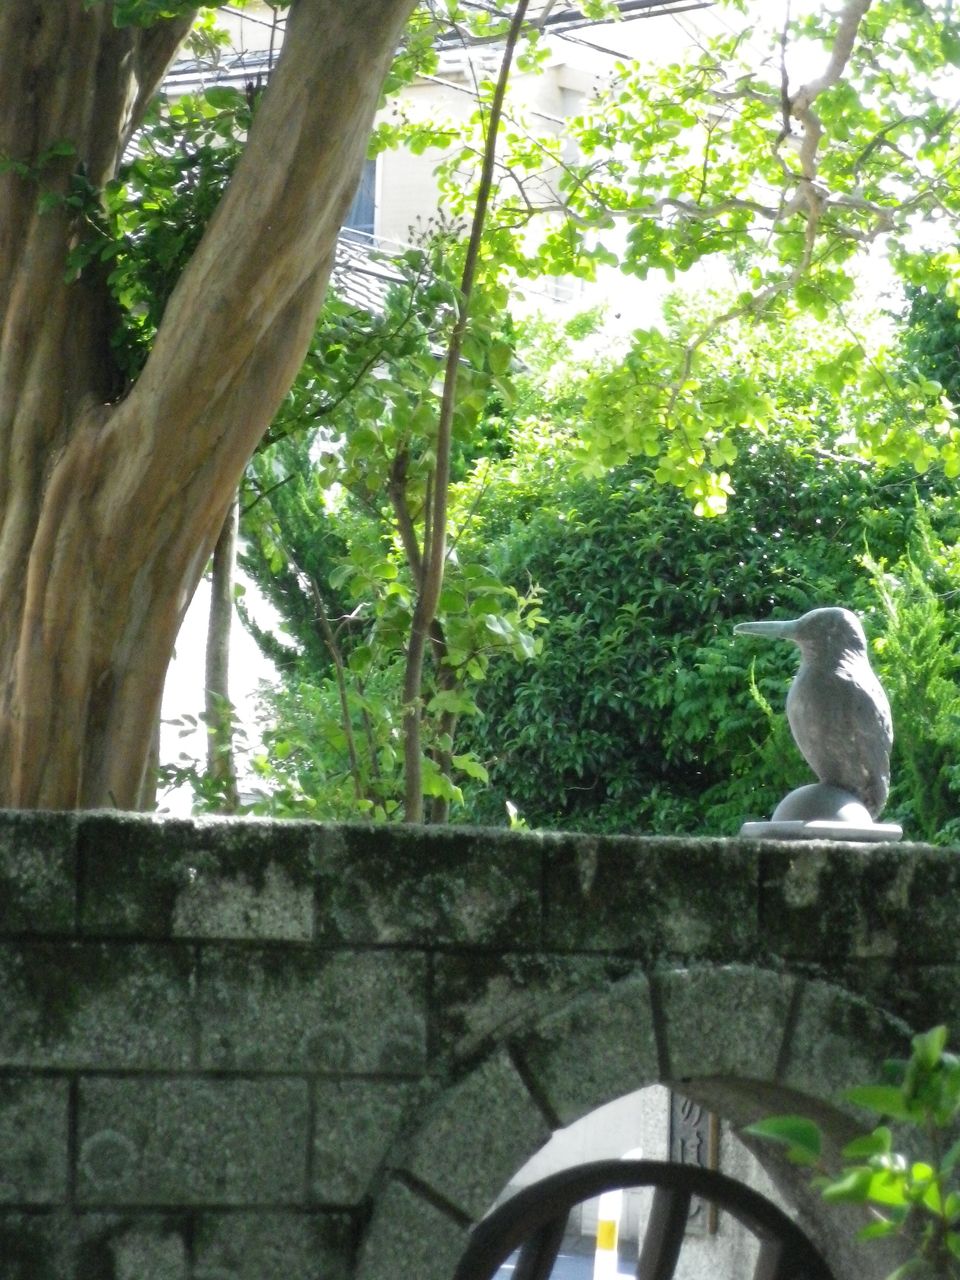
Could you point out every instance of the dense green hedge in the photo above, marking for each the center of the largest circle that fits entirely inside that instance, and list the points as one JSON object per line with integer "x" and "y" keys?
{"x": 639, "y": 714}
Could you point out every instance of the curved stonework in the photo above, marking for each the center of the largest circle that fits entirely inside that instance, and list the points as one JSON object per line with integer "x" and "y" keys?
{"x": 236, "y": 1050}
{"x": 750, "y": 1040}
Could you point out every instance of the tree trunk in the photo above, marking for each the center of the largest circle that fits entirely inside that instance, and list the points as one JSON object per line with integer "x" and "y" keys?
{"x": 110, "y": 508}
{"x": 221, "y": 765}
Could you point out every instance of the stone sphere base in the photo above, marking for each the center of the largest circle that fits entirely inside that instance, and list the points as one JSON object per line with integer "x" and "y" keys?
{"x": 821, "y": 812}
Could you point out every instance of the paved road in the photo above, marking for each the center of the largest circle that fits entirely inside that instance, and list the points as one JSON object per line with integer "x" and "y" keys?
{"x": 568, "y": 1266}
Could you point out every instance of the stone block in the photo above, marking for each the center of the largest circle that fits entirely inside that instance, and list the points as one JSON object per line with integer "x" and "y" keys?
{"x": 311, "y": 1010}
{"x": 727, "y": 1021}
{"x": 409, "y": 1237}
{"x": 428, "y": 885}
{"x": 136, "y": 1247}
{"x": 199, "y": 879}
{"x": 839, "y": 1041}
{"x": 62, "y": 1245}
{"x": 37, "y": 872}
{"x": 95, "y": 1005}
{"x": 481, "y": 999}
{"x": 600, "y": 1047}
{"x": 830, "y": 902}
{"x": 33, "y": 1140}
{"x": 214, "y": 905}
{"x": 651, "y": 899}
{"x": 355, "y": 1124}
{"x": 39, "y": 1246}
{"x": 272, "y": 1246}
{"x": 922, "y": 995}
{"x": 473, "y": 1139}
{"x": 192, "y": 1141}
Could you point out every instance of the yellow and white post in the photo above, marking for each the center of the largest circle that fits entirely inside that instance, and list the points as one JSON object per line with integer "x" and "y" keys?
{"x": 606, "y": 1258}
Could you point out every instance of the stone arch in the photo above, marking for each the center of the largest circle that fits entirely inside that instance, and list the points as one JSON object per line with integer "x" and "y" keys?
{"x": 746, "y": 1040}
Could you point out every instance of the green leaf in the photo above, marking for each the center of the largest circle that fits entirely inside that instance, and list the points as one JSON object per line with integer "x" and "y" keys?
{"x": 801, "y": 1136}
{"x": 452, "y": 700}
{"x": 887, "y": 1188}
{"x": 499, "y": 357}
{"x": 471, "y": 767}
{"x": 878, "y": 1230}
{"x": 224, "y": 98}
{"x": 885, "y": 1100}
{"x": 871, "y": 1144}
{"x": 853, "y": 1186}
{"x": 929, "y": 1046}
{"x": 950, "y": 47}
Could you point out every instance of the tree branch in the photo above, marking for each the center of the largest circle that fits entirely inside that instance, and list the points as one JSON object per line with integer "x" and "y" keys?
{"x": 434, "y": 551}
{"x": 240, "y": 319}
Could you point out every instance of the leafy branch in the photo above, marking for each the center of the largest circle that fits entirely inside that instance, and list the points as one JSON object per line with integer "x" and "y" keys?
{"x": 914, "y": 1199}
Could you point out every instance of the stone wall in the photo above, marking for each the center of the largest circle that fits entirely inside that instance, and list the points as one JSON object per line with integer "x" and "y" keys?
{"x": 253, "y": 1051}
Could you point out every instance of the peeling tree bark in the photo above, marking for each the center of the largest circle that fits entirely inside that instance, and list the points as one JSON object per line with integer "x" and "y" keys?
{"x": 109, "y": 508}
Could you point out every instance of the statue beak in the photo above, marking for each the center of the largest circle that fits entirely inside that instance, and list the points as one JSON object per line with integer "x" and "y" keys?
{"x": 773, "y": 630}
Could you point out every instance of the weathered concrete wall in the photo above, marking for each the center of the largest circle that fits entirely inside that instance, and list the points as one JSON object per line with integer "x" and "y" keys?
{"x": 240, "y": 1051}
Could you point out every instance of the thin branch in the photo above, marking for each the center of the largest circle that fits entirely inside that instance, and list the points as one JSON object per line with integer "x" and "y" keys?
{"x": 265, "y": 493}
{"x": 397, "y": 491}
{"x": 331, "y": 642}
{"x": 434, "y": 550}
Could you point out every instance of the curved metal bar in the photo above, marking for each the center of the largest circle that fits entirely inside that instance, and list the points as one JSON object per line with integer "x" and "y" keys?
{"x": 786, "y": 1253}
{"x": 540, "y": 1251}
{"x": 665, "y": 1231}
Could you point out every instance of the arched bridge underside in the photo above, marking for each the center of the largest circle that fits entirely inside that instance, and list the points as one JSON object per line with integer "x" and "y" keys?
{"x": 258, "y": 1051}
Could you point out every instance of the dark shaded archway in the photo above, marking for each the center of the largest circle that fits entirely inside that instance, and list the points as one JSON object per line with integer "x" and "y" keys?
{"x": 745, "y": 1040}
{"x": 534, "y": 1220}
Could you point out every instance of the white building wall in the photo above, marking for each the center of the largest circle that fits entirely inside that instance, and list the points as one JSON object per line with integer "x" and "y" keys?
{"x": 641, "y": 1121}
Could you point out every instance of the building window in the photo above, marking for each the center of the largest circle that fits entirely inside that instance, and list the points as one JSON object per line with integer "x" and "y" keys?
{"x": 362, "y": 213}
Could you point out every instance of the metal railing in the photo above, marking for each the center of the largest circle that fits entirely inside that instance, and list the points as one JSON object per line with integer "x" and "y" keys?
{"x": 534, "y": 1221}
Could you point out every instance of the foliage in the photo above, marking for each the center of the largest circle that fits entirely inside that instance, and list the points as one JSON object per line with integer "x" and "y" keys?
{"x": 694, "y": 162}
{"x": 931, "y": 339}
{"x": 159, "y": 206}
{"x": 638, "y": 713}
{"x": 919, "y": 656}
{"x": 637, "y": 716}
{"x": 729, "y": 157}
{"x": 917, "y": 1199}
{"x": 334, "y": 520}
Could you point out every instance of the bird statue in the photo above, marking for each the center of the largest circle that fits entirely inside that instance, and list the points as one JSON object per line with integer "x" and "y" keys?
{"x": 837, "y": 710}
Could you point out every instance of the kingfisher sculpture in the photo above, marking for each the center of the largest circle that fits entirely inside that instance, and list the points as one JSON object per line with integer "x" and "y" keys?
{"x": 839, "y": 717}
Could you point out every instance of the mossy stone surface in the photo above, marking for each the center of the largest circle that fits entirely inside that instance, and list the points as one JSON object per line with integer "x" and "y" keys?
{"x": 37, "y": 872}
{"x": 599, "y": 1047}
{"x": 410, "y": 1237}
{"x": 33, "y": 1140}
{"x": 470, "y": 1142}
{"x": 93, "y": 1005}
{"x": 652, "y": 899}
{"x": 252, "y": 1050}
{"x": 479, "y": 999}
{"x": 429, "y": 886}
{"x": 728, "y": 1021}
{"x": 356, "y": 1123}
{"x": 838, "y": 1041}
{"x": 202, "y": 878}
{"x": 192, "y": 1141}
{"x": 311, "y": 1010}
{"x": 830, "y": 903}
{"x": 243, "y": 1245}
